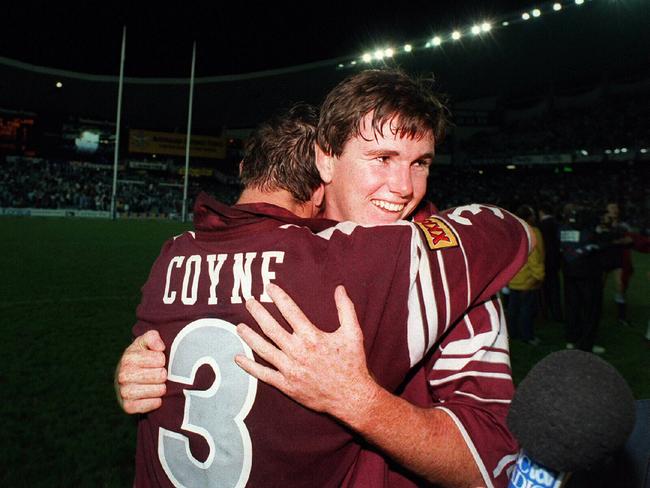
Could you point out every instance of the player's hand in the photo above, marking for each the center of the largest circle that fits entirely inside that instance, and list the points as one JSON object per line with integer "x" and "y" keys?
{"x": 140, "y": 375}
{"x": 323, "y": 371}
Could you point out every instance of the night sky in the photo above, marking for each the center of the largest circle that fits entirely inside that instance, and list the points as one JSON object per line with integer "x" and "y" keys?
{"x": 232, "y": 38}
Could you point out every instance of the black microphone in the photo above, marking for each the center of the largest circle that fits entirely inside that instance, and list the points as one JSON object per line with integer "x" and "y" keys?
{"x": 569, "y": 413}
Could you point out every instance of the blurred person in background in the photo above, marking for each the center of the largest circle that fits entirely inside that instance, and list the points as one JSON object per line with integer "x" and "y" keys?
{"x": 617, "y": 259}
{"x": 582, "y": 269}
{"x": 551, "y": 289}
{"x": 524, "y": 296}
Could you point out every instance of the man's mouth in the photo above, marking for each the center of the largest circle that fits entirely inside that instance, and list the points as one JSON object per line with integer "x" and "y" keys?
{"x": 388, "y": 206}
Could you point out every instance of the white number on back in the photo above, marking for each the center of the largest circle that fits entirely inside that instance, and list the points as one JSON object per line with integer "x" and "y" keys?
{"x": 216, "y": 414}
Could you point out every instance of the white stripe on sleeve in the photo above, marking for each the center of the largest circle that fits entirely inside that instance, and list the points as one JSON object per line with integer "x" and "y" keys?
{"x": 462, "y": 250}
{"x": 472, "y": 448}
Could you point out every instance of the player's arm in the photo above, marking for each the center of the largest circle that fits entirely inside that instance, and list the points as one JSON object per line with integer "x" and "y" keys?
{"x": 424, "y": 440}
{"x": 470, "y": 379}
{"x": 140, "y": 374}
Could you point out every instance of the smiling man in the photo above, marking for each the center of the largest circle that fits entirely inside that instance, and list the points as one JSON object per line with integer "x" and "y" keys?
{"x": 375, "y": 167}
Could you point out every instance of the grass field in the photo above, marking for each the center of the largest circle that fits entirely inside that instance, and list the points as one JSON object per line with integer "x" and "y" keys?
{"x": 67, "y": 298}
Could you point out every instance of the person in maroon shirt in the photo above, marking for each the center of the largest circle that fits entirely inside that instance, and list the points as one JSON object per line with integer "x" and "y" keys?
{"x": 391, "y": 171}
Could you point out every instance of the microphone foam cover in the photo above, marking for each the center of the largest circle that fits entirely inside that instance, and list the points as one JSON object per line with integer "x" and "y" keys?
{"x": 571, "y": 410}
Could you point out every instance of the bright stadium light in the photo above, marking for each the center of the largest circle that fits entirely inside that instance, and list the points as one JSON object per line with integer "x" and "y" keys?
{"x": 388, "y": 52}
{"x": 59, "y": 84}
{"x": 505, "y": 23}
{"x": 341, "y": 65}
{"x": 476, "y": 30}
{"x": 486, "y": 27}
{"x": 644, "y": 150}
{"x": 580, "y": 2}
{"x": 584, "y": 152}
{"x": 557, "y": 6}
{"x": 624, "y": 150}
{"x": 537, "y": 12}
{"x": 353, "y": 63}
{"x": 617, "y": 151}
{"x": 408, "y": 48}
{"x": 525, "y": 16}
{"x": 379, "y": 54}
{"x": 367, "y": 58}
{"x": 436, "y": 41}
{"x": 608, "y": 151}
{"x": 511, "y": 166}
{"x": 455, "y": 35}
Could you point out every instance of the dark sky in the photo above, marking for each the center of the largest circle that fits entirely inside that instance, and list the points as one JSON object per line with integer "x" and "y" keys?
{"x": 233, "y": 37}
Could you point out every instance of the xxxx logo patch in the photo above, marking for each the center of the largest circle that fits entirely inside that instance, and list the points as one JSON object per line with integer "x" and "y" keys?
{"x": 438, "y": 235}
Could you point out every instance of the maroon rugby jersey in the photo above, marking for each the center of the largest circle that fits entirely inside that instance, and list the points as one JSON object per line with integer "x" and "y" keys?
{"x": 218, "y": 426}
{"x": 467, "y": 375}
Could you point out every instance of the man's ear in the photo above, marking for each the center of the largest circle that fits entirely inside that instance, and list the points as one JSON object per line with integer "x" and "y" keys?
{"x": 318, "y": 196}
{"x": 325, "y": 164}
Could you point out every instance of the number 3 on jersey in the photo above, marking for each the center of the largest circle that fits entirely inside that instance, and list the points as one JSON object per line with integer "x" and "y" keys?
{"x": 216, "y": 414}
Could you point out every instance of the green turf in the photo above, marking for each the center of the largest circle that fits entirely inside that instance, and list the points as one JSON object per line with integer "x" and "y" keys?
{"x": 67, "y": 298}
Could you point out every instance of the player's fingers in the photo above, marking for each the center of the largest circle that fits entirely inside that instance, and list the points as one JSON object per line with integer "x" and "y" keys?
{"x": 290, "y": 311}
{"x": 150, "y": 340}
{"x": 142, "y": 392}
{"x": 262, "y": 373}
{"x": 268, "y": 324}
{"x": 262, "y": 347}
{"x": 143, "y": 376}
{"x": 143, "y": 359}
{"x": 345, "y": 309}
{"x": 141, "y": 406}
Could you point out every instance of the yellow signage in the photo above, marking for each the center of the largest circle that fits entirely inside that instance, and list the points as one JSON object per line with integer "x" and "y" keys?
{"x": 172, "y": 144}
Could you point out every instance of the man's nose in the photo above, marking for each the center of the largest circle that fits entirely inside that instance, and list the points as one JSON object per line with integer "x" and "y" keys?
{"x": 400, "y": 181}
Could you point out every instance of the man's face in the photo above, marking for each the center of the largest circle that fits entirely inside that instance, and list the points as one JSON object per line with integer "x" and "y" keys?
{"x": 378, "y": 178}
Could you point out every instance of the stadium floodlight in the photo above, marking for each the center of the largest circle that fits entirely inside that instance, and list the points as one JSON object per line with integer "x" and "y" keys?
{"x": 480, "y": 171}
{"x": 366, "y": 58}
{"x": 505, "y": 23}
{"x": 525, "y": 16}
{"x": 379, "y": 54}
{"x": 511, "y": 166}
{"x": 644, "y": 150}
{"x": 608, "y": 151}
{"x": 455, "y": 35}
{"x": 584, "y": 152}
{"x": 580, "y": 2}
{"x": 557, "y": 6}
{"x": 353, "y": 62}
{"x": 341, "y": 65}
{"x": 59, "y": 84}
{"x": 408, "y": 48}
{"x": 436, "y": 41}
{"x": 486, "y": 27}
{"x": 617, "y": 151}
{"x": 476, "y": 30}
{"x": 388, "y": 52}
{"x": 624, "y": 150}
{"x": 536, "y": 12}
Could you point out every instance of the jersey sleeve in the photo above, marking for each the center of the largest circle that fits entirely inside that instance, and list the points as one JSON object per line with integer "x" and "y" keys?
{"x": 470, "y": 378}
{"x": 461, "y": 257}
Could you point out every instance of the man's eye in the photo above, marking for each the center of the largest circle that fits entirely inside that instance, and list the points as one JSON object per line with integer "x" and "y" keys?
{"x": 423, "y": 163}
{"x": 382, "y": 159}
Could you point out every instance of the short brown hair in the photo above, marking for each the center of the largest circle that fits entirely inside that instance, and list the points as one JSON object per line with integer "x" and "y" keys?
{"x": 279, "y": 155}
{"x": 392, "y": 96}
